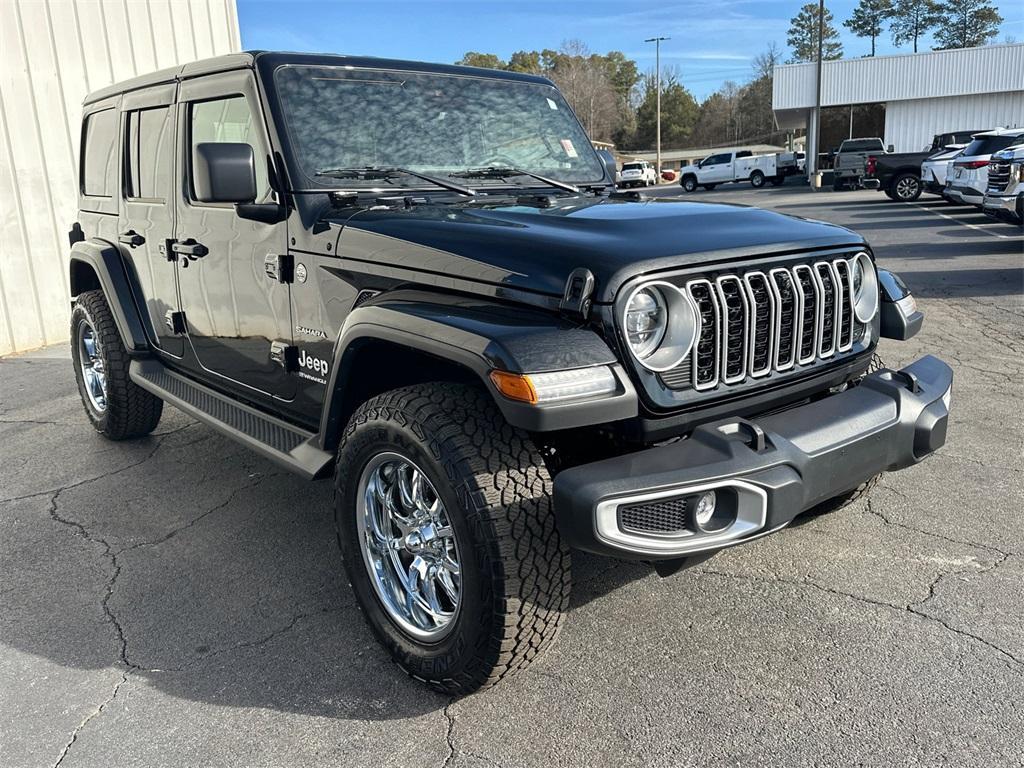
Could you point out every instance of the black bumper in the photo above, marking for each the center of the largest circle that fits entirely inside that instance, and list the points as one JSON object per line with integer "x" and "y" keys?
{"x": 777, "y": 465}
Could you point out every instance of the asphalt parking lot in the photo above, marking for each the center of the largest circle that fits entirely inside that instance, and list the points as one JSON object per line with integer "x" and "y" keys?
{"x": 180, "y": 601}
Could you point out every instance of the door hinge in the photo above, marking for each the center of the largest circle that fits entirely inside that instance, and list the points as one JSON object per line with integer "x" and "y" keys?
{"x": 578, "y": 288}
{"x": 285, "y": 355}
{"x": 279, "y": 267}
{"x": 175, "y": 321}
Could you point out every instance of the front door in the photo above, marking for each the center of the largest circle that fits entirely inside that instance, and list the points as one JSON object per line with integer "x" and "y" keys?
{"x": 147, "y": 211}
{"x": 233, "y": 310}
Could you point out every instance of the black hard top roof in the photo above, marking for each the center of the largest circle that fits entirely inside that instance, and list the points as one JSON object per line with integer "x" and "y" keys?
{"x": 267, "y": 60}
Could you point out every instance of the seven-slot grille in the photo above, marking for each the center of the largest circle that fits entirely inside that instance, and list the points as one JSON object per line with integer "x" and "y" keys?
{"x": 757, "y": 322}
{"x": 998, "y": 176}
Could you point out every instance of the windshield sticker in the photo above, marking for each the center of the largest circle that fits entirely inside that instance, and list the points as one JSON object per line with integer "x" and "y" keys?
{"x": 570, "y": 150}
{"x": 551, "y": 103}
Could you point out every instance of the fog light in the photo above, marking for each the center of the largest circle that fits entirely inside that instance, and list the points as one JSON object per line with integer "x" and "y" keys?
{"x": 705, "y": 509}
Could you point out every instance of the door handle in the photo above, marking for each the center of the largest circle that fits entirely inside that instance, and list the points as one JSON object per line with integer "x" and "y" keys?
{"x": 190, "y": 248}
{"x": 131, "y": 237}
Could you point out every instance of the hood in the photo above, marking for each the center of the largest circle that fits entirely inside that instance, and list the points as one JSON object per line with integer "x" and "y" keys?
{"x": 535, "y": 249}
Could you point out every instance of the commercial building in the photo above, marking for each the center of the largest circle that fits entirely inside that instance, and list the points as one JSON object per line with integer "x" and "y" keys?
{"x": 907, "y": 98}
{"x": 53, "y": 55}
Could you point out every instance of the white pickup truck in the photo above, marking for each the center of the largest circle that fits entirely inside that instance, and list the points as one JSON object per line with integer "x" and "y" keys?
{"x": 730, "y": 167}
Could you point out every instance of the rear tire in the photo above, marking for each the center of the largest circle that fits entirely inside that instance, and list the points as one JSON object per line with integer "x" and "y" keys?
{"x": 757, "y": 179}
{"x": 906, "y": 187}
{"x": 709, "y": 187}
{"x": 513, "y": 569}
{"x": 776, "y": 181}
{"x": 118, "y": 408}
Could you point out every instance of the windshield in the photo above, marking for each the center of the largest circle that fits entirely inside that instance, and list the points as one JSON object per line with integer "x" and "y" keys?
{"x": 986, "y": 145}
{"x": 432, "y": 123}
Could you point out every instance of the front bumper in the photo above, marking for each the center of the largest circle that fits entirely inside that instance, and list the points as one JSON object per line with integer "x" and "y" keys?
{"x": 772, "y": 467}
{"x": 1006, "y": 208}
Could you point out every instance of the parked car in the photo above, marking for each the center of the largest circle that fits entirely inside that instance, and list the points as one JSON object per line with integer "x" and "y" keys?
{"x": 493, "y": 355}
{"x": 1004, "y": 198}
{"x": 729, "y": 167}
{"x": 789, "y": 164}
{"x": 639, "y": 173}
{"x": 849, "y": 165}
{"x": 968, "y": 181}
{"x": 935, "y": 168}
{"x": 899, "y": 174}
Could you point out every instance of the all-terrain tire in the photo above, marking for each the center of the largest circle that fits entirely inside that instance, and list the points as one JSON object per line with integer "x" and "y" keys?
{"x": 130, "y": 411}
{"x": 496, "y": 490}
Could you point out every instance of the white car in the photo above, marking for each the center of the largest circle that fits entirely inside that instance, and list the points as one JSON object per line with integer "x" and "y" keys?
{"x": 1004, "y": 199}
{"x": 968, "y": 179}
{"x": 935, "y": 168}
{"x": 637, "y": 174}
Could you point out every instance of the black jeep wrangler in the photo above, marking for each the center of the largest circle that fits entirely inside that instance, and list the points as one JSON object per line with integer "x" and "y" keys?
{"x": 419, "y": 280}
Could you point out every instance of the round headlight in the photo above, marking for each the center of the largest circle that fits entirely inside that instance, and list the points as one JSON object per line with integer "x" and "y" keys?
{"x": 660, "y": 325}
{"x": 865, "y": 287}
{"x": 646, "y": 321}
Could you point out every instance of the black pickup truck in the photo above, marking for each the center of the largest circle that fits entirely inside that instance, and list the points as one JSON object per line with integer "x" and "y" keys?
{"x": 417, "y": 282}
{"x": 898, "y": 174}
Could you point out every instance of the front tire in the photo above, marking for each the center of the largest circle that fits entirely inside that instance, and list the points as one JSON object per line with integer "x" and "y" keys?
{"x": 485, "y": 487}
{"x": 689, "y": 184}
{"x": 118, "y": 408}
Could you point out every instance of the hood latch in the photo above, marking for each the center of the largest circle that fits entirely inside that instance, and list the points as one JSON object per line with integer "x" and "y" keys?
{"x": 576, "y": 297}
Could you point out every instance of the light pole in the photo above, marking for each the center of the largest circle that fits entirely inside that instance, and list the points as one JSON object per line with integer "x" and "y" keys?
{"x": 812, "y": 154}
{"x": 657, "y": 88}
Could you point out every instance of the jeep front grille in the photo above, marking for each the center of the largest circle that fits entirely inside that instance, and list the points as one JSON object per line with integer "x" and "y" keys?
{"x": 998, "y": 177}
{"x": 758, "y": 323}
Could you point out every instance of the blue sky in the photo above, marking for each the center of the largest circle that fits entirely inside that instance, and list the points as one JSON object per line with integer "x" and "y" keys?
{"x": 711, "y": 42}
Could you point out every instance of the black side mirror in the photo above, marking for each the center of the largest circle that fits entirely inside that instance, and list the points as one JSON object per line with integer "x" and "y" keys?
{"x": 610, "y": 165}
{"x": 224, "y": 173}
{"x": 890, "y": 149}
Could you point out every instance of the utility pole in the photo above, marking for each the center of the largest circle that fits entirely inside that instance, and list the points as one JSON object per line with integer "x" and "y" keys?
{"x": 657, "y": 88}
{"x": 812, "y": 155}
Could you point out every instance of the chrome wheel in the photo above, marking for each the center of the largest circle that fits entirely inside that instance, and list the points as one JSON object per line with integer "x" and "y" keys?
{"x": 91, "y": 362}
{"x": 906, "y": 188}
{"x": 409, "y": 546}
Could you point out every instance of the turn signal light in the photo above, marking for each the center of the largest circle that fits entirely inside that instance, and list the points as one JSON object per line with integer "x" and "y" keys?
{"x": 514, "y": 386}
{"x": 556, "y": 386}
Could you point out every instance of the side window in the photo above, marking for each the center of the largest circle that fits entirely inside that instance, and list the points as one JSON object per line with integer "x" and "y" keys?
{"x": 229, "y": 120}
{"x": 99, "y": 154}
{"x": 148, "y": 154}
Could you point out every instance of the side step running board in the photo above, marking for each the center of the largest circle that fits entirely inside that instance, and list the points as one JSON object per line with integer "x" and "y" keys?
{"x": 289, "y": 446}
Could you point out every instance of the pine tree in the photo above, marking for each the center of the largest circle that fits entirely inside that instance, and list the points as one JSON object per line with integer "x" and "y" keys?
{"x": 803, "y": 36}
{"x": 911, "y": 20}
{"x": 966, "y": 24}
{"x": 868, "y": 18}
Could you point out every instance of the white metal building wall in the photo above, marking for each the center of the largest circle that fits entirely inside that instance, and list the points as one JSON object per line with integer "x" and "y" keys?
{"x": 52, "y": 53}
{"x": 910, "y": 125}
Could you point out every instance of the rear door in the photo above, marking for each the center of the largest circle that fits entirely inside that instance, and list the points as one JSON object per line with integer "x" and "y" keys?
{"x": 234, "y": 311}
{"x": 147, "y": 209}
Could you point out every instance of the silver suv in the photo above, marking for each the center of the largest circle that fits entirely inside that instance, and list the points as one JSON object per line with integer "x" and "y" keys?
{"x": 967, "y": 181}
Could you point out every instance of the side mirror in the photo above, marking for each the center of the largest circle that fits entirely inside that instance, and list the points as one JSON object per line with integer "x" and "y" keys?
{"x": 224, "y": 173}
{"x": 609, "y": 163}
{"x": 890, "y": 149}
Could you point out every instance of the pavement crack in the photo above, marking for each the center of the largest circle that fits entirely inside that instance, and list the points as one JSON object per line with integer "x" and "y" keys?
{"x": 90, "y": 717}
{"x": 870, "y": 509}
{"x": 912, "y": 608}
{"x": 449, "y": 735}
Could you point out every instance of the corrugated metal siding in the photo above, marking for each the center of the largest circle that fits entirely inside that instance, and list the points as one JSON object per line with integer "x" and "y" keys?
{"x": 910, "y": 125}
{"x": 54, "y": 53}
{"x": 964, "y": 72}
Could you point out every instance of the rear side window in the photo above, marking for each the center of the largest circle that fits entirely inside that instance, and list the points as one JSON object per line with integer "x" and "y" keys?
{"x": 148, "y": 154}
{"x": 99, "y": 154}
{"x": 986, "y": 145}
{"x": 229, "y": 120}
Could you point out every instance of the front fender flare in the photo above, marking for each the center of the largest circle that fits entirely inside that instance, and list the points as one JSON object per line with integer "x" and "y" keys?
{"x": 480, "y": 337}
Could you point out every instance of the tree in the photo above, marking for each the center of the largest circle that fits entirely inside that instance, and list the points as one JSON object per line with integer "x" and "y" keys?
{"x": 803, "y": 36}
{"x": 966, "y": 24}
{"x": 525, "y": 61}
{"x": 868, "y": 18}
{"x": 679, "y": 112}
{"x": 911, "y": 20}
{"x": 486, "y": 60}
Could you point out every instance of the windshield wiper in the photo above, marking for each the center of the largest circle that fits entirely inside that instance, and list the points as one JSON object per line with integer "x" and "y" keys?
{"x": 502, "y": 172}
{"x": 371, "y": 172}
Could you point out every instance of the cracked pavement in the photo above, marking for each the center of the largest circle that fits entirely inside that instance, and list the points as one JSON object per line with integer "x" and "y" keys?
{"x": 179, "y": 600}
